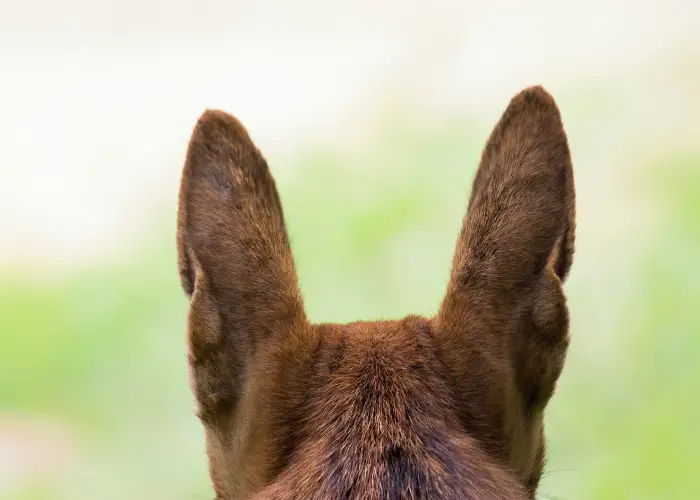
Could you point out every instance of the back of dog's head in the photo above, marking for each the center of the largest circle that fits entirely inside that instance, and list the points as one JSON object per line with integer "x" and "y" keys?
{"x": 421, "y": 408}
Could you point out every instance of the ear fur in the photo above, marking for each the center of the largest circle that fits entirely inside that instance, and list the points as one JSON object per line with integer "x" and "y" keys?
{"x": 234, "y": 256}
{"x": 503, "y": 324}
{"x": 522, "y": 208}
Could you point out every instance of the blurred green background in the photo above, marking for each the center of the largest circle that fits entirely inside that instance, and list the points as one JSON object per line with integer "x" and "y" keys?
{"x": 374, "y": 140}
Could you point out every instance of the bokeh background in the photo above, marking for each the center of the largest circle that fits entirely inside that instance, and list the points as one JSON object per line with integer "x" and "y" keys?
{"x": 372, "y": 117}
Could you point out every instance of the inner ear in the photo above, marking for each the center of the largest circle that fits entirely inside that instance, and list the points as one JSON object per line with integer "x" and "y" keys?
{"x": 562, "y": 256}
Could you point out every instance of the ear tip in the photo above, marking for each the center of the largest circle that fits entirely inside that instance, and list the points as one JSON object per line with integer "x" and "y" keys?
{"x": 215, "y": 123}
{"x": 537, "y": 99}
{"x": 537, "y": 92}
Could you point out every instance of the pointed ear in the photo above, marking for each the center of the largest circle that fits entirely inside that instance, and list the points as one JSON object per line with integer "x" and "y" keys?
{"x": 522, "y": 208}
{"x": 503, "y": 324}
{"x": 234, "y": 257}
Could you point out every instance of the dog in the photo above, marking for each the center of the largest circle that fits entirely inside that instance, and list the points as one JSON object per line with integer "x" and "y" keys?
{"x": 447, "y": 407}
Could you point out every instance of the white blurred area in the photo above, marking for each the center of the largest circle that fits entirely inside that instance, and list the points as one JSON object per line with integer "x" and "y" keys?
{"x": 98, "y": 99}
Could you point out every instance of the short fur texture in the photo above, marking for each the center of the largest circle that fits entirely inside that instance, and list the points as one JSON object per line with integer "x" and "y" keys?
{"x": 449, "y": 407}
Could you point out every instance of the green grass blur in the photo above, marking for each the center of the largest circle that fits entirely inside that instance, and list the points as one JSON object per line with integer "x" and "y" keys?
{"x": 100, "y": 354}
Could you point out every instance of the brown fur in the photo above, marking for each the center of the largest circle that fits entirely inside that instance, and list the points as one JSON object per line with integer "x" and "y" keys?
{"x": 448, "y": 407}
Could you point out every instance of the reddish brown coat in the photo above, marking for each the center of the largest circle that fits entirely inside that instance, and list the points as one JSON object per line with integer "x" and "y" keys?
{"x": 447, "y": 407}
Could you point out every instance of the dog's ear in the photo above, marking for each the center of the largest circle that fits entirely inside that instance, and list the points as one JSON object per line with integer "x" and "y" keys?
{"x": 503, "y": 324}
{"x": 525, "y": 186}
{"x": 521, "y": 211}
{"x": 234, "y": 258}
